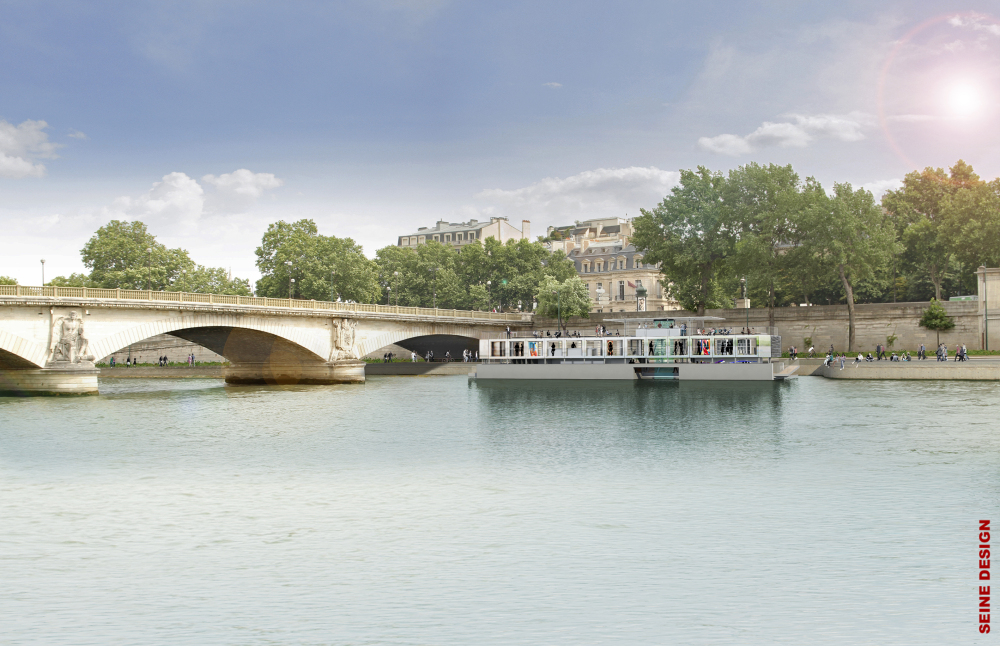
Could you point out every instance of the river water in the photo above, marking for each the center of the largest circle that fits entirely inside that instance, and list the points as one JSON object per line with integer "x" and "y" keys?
{"x": 438, "y": 511}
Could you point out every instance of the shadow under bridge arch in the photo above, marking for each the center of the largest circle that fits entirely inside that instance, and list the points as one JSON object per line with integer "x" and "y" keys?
{"x": 248, "y": 346}
{"x": 440, "y": 344}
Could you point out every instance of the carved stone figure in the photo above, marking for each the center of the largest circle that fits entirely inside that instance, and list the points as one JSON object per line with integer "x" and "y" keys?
{"x": 344, "y": 339}
{"x": 68, "y": 342}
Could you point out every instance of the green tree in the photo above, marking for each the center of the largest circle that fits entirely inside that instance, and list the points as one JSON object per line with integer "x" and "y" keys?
{"x": 971, "y": 226}
{"x": 7, "y": 280}
{"x": 480, "y": 275}
{"x": 689, "y": 235}
{"x": 936, "y": 318}
{"x": 321, "y": 266}
{"x": 125, "y": 255}
{"x": 563, "y": 299}
{"x": 765, "y": 204}
{"x": 210, "y": 280}
{"x": 850, "y": 233}
{"x": 73, "y": 280}
{"x": 918, "y": 211}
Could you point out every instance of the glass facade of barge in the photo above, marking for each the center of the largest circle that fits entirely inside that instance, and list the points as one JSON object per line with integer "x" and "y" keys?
{"x": 660, "y": 349}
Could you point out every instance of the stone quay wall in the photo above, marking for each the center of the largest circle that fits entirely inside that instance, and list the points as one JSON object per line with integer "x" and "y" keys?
{"x": 826, "y": 325}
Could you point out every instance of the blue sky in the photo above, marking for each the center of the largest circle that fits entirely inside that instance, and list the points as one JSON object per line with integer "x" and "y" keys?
{"x": 208, "y": 120}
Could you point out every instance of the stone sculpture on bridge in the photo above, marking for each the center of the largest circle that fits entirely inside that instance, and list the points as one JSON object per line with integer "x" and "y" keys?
{"x": 344, "y": 339}
{"x": 68, "y": 342}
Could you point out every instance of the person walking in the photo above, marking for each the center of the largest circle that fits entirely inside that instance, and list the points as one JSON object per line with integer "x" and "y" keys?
{"x": 413, "y": 356}
{"x": 508, "y": 331}
{"x": 922, "y": 352}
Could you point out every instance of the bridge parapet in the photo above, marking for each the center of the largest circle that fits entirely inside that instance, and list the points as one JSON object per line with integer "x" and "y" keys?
{"x": 282, "y": 304}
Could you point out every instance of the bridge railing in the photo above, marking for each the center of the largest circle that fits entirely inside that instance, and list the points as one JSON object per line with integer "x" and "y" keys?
{"x": 256, "y": 301}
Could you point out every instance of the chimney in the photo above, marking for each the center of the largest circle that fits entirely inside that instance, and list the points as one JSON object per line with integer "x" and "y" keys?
{"x": 526, "y": 229}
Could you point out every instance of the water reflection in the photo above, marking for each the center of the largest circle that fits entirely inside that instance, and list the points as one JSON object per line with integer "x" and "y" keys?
{"x": 590, "y": 422}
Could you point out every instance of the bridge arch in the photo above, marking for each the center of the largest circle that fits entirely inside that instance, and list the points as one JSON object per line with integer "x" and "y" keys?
{"x": 238, "y": 338}
{"x": 20, "y": 353}
{"x": 390, "y": 337}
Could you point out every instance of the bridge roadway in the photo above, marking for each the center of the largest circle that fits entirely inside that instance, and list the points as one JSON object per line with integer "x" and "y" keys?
{"x": 51, "y": 336}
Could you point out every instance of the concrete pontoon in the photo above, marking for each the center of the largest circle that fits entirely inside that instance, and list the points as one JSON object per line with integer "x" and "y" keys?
{"x": 653, "y": 349}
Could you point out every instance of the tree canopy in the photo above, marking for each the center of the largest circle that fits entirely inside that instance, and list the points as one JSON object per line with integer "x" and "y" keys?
{"x": 689, "y": 235}
{"x": 564, "y": 298}
{"x": 125, "y": 255}
{"x": 481, "y": 275}
{"x": 294, "y": 259}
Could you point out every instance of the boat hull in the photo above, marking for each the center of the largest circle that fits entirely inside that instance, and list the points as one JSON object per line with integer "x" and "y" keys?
{"x": 630, "y": 371}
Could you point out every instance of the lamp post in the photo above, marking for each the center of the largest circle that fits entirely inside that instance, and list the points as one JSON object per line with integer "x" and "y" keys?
{"x": 435, "y": 274}
{"x": 746, "y": 301}
{"x": 388, "y": 294}
{"x": 43, "y": 272}
{"x": 986, "y": 310}
{"x": 149, "y": 268}
{"x": 395, "y": 277}
{"x": 288, "y": 263}
{"x": 558, "y": 306}
{"x": 331, "y": 285}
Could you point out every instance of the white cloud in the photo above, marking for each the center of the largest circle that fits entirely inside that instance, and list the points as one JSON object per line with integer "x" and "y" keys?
{"x": 879, "y": 187}
{"x": 976, "y": 22}
{"x": 797, "y": 133}
{"x": 76, "y": 134}
{"x": 725, "y": 144}
{"x": 237, "y": 191}
{"x": 20, "y": 145}
{"x": 176, "y": 199}
{"x": 604, "y": 192}
{"x": 552, "y": 84}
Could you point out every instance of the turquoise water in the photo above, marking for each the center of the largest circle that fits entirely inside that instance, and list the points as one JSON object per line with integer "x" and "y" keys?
{"x": 435, "y": 511}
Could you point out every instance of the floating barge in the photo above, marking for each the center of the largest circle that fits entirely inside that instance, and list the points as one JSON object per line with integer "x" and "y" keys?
{"x": 677, "y": 349}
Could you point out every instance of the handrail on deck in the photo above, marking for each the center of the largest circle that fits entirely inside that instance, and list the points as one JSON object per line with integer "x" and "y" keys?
{"x": 257, "y": 301}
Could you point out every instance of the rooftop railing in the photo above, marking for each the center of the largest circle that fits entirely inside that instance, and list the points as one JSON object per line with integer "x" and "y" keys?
{"x": 254, "y": 301}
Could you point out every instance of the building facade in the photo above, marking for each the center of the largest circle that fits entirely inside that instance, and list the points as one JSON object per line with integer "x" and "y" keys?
{"x": 610, "y": 266}
{"x": 462, "y": 233}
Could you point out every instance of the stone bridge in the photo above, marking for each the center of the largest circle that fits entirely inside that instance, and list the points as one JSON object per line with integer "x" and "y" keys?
{"x": 51, "y": 336}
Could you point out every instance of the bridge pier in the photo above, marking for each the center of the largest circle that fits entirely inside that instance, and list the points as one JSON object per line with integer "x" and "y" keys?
{"x": 349, "y": 371}
{"x": 49, "y": 381}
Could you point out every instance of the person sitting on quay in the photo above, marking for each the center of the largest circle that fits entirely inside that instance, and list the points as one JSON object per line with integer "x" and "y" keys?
{"x": 860, "y": 359}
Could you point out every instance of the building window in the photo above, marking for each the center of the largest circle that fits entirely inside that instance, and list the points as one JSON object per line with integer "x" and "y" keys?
{"x": 621, "y": 290}
{"x": 422, "y": 239}
{"x": 437, "y": 237}
{"x": 638, "y": 282}
{"x": 413, "y": 240}
{"x": 447, "y": 237}
{"x": 458, "y": 237}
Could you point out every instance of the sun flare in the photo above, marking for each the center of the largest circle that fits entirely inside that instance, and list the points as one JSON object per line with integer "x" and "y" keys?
{"x": 964, "y": 100}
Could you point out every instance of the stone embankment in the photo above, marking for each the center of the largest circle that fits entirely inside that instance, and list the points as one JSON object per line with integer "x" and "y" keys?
{"x": 165, "y": 372}
{"x": 976, "y": 370}
{"x": 419, "y": 368}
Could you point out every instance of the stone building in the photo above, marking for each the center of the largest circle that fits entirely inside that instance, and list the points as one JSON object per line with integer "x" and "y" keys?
{"x": 610, "y": 265}
{"x": 462, "y": 233}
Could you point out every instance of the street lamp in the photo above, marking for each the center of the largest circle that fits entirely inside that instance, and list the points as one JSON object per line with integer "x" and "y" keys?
{"x": 291, "y": 288}
{"x": 43, "y": 272}
{"x": 435, "y": 274}
{"x": 149, "y": 269}
{"x": 388, "y": 293}
{"x": 746, "y": 301}
{"x": 288, "y": 263}
{"x": 395, "y": 277}
{"x": 331, "y": 284}
{"x": 558, "y": 306}
{"x": 489, "y": 295}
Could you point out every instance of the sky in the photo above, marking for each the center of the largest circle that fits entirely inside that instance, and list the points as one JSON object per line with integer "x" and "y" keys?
{"x": 210, "y": 120}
